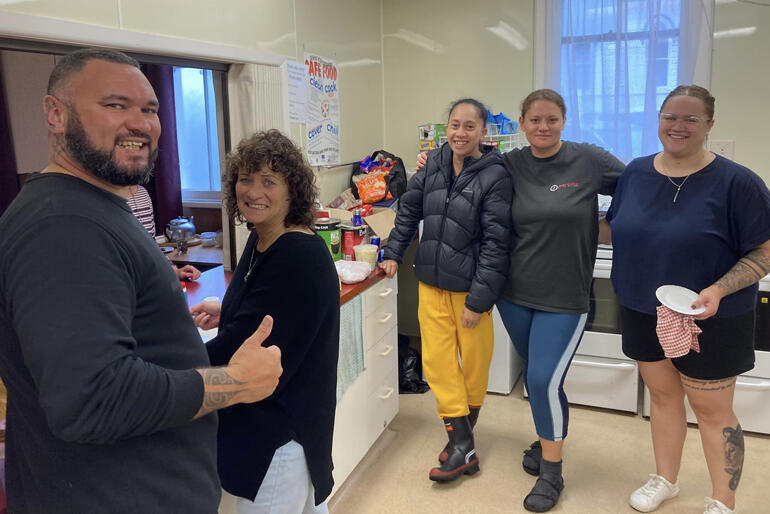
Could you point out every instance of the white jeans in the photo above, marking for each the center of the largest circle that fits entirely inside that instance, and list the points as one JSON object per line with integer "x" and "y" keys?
{"x": 287, "y": 488}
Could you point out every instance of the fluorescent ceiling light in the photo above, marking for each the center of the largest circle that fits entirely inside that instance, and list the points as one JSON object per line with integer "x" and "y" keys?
{"x": 9, "y": 2}
{"x": 419, "y": 40}
{"x": 743, "y": 31}
{"x": 510, "y": 35}
{"x": 358, "y": 62}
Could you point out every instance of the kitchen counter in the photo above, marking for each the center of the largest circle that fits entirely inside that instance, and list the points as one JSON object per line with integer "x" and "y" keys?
{"x": 199, "y": 256}
{"x": 214, "y": 282}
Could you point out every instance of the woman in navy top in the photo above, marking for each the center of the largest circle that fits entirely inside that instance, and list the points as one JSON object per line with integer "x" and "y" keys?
{"x": 691, "y": 218}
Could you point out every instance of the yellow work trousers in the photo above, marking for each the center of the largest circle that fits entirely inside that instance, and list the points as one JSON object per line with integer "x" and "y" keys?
{"x": 455, "y": 359}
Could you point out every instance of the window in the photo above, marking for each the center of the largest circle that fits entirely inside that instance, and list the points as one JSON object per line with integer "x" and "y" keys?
{"x": 197, "y": 135}
{"x": 614, "y": 62}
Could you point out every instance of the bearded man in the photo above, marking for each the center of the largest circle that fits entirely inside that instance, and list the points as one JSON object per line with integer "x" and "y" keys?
{"x": 110, "y": 397}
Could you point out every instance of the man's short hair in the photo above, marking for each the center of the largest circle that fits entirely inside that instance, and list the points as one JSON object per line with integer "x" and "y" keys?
{"x": 75, "y": 61}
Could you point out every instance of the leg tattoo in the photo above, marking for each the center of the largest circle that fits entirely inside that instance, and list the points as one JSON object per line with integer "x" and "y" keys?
{"x": 734, "y": 450}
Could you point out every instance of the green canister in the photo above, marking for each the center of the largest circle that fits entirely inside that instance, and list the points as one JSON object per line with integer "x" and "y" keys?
{"x": 329, "y": 230}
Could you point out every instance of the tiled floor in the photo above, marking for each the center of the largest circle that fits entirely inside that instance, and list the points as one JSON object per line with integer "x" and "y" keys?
{"x": 607, "y": 455}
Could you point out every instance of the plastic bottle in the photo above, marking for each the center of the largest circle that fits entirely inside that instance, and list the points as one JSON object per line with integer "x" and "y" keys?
{"x": 357, "y": 221}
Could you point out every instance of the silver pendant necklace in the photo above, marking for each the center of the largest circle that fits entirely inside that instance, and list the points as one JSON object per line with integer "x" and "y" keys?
{"x": 677, "y": 186}
{"x": 252, "y": 263}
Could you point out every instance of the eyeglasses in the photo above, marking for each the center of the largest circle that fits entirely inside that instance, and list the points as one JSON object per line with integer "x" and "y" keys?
{"x": 689, "y": 121}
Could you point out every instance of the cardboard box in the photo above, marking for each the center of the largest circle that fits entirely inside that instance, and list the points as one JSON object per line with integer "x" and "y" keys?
{"x": 381, "y": 221}
{"x": 432, "y": 132}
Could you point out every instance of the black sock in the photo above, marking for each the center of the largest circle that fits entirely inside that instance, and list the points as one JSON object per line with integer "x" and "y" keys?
{"x": 547, "y": 466}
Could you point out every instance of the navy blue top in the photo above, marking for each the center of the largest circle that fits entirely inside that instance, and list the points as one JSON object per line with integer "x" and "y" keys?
{"x": 722, "y": 212}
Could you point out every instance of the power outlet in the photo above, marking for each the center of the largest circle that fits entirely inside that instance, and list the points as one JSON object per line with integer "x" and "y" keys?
{"x": 723, "y": 147}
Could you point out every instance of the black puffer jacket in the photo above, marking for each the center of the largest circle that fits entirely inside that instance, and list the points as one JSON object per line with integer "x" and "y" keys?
{"x": 467, "y": 229}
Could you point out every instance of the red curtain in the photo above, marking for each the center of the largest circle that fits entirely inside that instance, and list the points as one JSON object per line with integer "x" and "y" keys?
{"x": 165, "y": 187}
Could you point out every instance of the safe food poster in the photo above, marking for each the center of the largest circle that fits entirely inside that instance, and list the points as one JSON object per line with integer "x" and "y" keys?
{"x": 322, "y": 111}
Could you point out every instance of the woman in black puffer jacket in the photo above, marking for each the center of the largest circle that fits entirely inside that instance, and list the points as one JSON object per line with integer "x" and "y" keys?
{"x": 463, "y": 196}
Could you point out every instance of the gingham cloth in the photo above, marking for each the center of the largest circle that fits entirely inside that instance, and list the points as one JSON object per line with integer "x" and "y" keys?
{"x": 677, "y": 333}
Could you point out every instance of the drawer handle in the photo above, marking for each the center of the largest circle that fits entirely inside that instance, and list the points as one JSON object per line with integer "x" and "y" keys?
{"x": 386, "y": 318}
{"x": 385, "y": 293}
{"x": 606, "y": 365}
{"x": 388, "y": 349}
{"x": 386, "y": 395}
{"x": 762, "y": 386}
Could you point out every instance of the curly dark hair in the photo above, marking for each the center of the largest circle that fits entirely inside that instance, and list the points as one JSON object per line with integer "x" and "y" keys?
{"x": 271, "y": 149}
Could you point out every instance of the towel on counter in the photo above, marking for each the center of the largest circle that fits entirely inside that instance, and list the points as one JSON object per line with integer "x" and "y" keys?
{"x": 351, "y": 359}
{"x": 677, "y": 333}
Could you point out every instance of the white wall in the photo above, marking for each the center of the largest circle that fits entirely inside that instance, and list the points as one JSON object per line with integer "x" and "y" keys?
{"x": 437, "y": 51}
{"x": 740, "y": 81}
{"x": 456, "y": 55}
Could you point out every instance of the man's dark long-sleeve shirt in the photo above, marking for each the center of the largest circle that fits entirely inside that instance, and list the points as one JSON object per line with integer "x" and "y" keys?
{"x": 97, "y": 350}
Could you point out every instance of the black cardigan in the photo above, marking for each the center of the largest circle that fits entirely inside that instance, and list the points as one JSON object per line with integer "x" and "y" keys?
{"x": 466, "y": 237}
{"x": 295, "y": 282}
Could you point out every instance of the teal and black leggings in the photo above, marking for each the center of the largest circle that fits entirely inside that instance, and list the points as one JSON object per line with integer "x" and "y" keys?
{"x": 546, "y": 342}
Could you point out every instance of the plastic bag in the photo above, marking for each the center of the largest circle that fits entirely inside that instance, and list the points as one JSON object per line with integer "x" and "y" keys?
{"x": 392, "y": 171}
{"x": 409, "y": 369}
{"x": 372, "y": 187}
{"x": 352, "y": 272}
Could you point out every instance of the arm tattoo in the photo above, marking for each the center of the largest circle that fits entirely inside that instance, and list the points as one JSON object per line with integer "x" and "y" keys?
{"x": 760, "y": 261}
{"x": 734, "y": 451}
{"x": 746, "y": 272}
{"x": 215, "y": 396}
{"x": 218, "y": 376}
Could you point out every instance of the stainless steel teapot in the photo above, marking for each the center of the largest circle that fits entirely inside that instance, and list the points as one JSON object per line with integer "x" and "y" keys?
{"x": 180, "y": 230}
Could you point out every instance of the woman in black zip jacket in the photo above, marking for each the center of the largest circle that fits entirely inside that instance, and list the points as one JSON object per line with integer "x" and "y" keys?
{"x": 463, "y": 197}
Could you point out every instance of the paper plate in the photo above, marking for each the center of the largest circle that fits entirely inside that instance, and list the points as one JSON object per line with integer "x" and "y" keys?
{"x": 679, "y": 299}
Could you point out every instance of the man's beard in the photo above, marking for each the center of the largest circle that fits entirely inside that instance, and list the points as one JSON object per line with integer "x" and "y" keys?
{"x": 102, "y": 163}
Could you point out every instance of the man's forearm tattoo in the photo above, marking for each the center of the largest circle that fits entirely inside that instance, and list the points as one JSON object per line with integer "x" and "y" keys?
{"x": 734, "y": 451}
{"x": 216, "y": 399}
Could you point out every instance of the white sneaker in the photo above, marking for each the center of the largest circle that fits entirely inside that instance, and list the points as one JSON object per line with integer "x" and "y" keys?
{"x": 716, "y": 507}
{"x": 649, "y": 497}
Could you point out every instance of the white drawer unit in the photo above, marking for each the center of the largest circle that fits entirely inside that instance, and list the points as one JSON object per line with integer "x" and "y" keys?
{"x": 382, "y": 405}
{"x": 380, "y": 320}
{"x": 380, "y": 294}
{"x": 380, "y": 359}
{"x": 382, "y": 384}
{"x": 371, "y": 402}
{"x": 603, "y": 382}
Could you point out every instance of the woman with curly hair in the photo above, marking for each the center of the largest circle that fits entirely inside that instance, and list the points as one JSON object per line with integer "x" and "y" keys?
{"x": 276, "y": 454}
